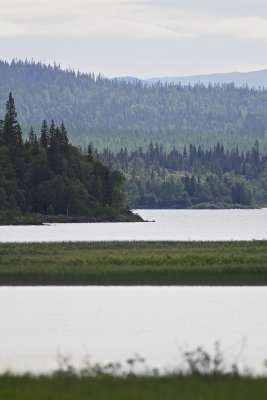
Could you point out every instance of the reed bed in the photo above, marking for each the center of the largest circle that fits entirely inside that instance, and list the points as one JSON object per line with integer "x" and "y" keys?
{"x": 134, "y": 263}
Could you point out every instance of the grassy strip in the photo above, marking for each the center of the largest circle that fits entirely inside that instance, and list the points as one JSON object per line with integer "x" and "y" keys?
{"x": 136, "y": 388}
{"x": 134, "y": 263}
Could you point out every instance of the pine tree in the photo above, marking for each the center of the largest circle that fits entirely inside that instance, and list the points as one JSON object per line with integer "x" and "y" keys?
{"x": 45, "y": 136}
{"x": 32, "y": 137}
{"x": 63, "y": 139}
{"x": 12, "y": 132}
{"x": 1, "y": 132}
{"x": 52, "y": 129}
{"x": 89, "y": 155}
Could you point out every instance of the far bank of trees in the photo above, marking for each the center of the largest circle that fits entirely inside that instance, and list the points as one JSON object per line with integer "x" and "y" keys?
{"x": 192, "y": 177}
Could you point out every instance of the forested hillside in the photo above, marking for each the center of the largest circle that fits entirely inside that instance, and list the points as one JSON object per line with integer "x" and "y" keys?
{"x": 118, "y": 113}
{"x": 48, "y": 176}
{"x": 192, "y": 177}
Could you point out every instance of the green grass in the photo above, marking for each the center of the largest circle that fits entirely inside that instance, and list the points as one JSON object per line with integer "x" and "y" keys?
{"x": 134, "y": 263}
{"x": 137, "y": 388}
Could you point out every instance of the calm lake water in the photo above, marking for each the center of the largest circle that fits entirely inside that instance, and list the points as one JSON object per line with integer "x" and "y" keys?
{"x": 168, "y": 225}
{"x": 111, "y": 324}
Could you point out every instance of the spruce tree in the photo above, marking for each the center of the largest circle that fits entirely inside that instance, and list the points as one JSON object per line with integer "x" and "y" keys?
{"x": 12, "y": 132}
{"x": 32, "y": 137}
{"x": 1, "y": 132}
{"x": 63, "y": 139}
{"x": 52, "y": 129}
{"x": 45, "y": 136}
{"x": 89, "y": 154}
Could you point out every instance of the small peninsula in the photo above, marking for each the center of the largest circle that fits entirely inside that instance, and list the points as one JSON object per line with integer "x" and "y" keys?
{"x": 46, "y": 179}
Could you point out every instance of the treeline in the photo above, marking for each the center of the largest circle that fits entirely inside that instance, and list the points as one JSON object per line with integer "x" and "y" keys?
{"x": 193, "y": 177}
{"x": 45, "y": 174}
{"x": 95, "y": 108}
{"x": 192, "y": 159}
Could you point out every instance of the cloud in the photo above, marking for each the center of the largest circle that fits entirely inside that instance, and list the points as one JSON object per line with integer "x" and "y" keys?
{"x": 246, "y": 28}
{"x": 134, "y": 19}
{"x": 82, "y": 18}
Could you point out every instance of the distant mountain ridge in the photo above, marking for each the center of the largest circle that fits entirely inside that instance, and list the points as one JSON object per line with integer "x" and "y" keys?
{"x": 251, "y": 79}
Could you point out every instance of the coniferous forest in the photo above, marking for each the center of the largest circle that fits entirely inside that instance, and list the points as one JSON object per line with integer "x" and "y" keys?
{"x": 192, "y": 177}
{"x": 119, "y": 113}
{"x": 45, "y": 175}
{"x": 183, "y": 147}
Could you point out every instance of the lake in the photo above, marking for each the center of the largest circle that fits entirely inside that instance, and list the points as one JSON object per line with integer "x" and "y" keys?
{"x": 113, "y": 323}
{"x": 184, "y": 225}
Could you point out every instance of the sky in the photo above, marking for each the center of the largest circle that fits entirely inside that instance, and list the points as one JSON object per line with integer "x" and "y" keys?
{"x": 142, "y": 38}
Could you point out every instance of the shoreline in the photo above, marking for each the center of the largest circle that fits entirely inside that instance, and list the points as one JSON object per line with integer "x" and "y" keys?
{"x": 39, "y": 219}
{"x": 128, "y": 216}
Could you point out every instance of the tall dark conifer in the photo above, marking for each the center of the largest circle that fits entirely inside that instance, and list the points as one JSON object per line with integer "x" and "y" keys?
{"x": 1, "y": 132}
{"x": 32, "y": 137}
{"x": 63, "y": 139}
{"x": 52, "y": 129}
{"x": 12, "y": 131}
{"x": 89, "y": 154}
{"x": 45, "y": 136}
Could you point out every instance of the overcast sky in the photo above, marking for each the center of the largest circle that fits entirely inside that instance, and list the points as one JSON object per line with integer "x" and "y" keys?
{"x": 143, "y": 38}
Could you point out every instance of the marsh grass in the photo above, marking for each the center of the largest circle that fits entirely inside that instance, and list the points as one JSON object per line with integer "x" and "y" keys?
{"x": 133, "y": 388}
{"x": 134, "y": 263}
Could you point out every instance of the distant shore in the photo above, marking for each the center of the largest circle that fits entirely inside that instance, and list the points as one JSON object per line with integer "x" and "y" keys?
{"x": 134, "y": 263}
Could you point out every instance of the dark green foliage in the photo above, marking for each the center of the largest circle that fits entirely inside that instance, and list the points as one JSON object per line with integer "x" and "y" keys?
{"x": 45, "y": 138}
{"x": 191, "y": 177}
{"x": 134, "y": 263}
{"x": 12, "y": 135}
{"x": 123, "y": 114}
{"x": 49, "y": 176}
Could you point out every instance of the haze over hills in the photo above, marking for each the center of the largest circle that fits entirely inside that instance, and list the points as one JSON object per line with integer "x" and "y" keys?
{"x": 252, "y": 79}
{"x": 114, "y": 113}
